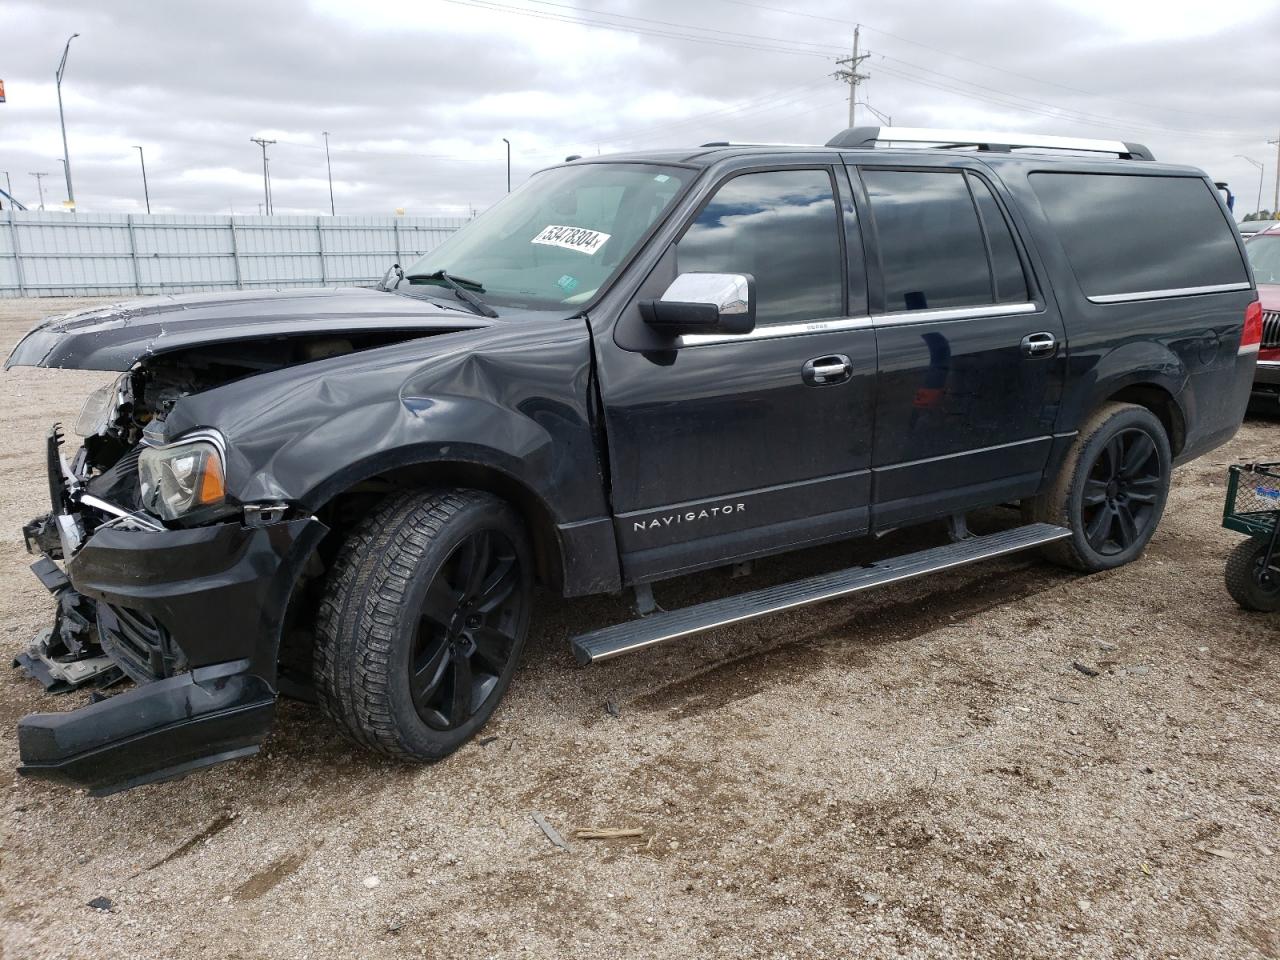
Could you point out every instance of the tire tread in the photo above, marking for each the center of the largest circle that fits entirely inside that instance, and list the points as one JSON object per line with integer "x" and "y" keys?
{"x": 359, "y": 612}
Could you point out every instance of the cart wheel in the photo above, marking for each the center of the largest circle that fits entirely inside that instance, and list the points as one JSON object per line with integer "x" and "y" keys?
{"x": 1250, "y": 584}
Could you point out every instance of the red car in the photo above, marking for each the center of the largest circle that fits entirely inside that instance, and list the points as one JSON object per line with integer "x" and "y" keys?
{"x": 1264, "y": 254}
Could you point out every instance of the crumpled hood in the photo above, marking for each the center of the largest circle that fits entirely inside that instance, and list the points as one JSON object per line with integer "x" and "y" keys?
{"x": 116, "y": 336}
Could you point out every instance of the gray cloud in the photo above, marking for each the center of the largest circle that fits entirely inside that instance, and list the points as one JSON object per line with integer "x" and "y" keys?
{"x": 417, "y": 96}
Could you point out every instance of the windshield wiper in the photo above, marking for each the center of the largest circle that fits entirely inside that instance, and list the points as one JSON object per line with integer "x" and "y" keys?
{"x": 459, "y": 291}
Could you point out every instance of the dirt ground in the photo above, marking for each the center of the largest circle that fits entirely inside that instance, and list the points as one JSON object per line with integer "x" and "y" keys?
{"x": 917, "y": 772}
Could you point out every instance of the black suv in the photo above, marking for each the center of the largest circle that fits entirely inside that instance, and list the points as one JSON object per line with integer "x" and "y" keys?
{"x": 632, "y": 368}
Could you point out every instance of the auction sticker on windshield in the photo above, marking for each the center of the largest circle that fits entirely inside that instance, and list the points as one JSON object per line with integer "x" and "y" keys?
{"x": 572, "y": 238}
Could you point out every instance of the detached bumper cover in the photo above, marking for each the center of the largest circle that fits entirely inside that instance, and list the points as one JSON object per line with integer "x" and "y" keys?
{"x": 221, "y": 593}
{"x": 158, "y": 731}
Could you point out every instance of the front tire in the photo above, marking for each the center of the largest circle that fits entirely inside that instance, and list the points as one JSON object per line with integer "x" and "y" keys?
{"x": 423, "y": 618}
{"x": 1248, "y": 583}
{"x": 1110, "y": 491}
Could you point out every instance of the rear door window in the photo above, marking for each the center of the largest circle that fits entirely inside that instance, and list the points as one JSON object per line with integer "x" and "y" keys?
{"x": 1128, "y": 234}
{"x": 782, "y": 227}
{"x": 931, "y": 246}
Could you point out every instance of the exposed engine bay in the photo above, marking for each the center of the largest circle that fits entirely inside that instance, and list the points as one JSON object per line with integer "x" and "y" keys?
{"x": 100, "y": 486}
{"x": 114, "y": 418}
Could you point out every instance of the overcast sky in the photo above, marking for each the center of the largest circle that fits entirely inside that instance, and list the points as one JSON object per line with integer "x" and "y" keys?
{"x": 417, "y": 94}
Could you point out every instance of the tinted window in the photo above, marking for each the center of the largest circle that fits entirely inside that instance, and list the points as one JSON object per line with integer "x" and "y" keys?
{"x": 1006, "y": 268}
{"x": 781, "y": 228}
{"x": 1125, "y": 233}
{"x": 931, "y": 247}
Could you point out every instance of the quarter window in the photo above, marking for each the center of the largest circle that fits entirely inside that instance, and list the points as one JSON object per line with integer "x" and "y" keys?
{"x": 931, "y": 247}
{"x": 1134, "y": 233}
{"x": 782, "y": 228}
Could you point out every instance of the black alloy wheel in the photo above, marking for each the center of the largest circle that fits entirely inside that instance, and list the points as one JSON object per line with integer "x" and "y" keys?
{"x": 424, "y": 614}
{"x": 466, "y": 630}
{"x": 1122, "y": 492}
{"x": 1109, "y": 489}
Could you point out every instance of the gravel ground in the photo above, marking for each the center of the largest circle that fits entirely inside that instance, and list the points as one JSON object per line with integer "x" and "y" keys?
{"x": 918, "y": 772}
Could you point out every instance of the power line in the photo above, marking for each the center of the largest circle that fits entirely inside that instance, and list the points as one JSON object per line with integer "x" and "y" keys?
{"x": 976, "y": 62}
{"x": 1119, "y": 122}
{"x": 768, "y": 44}
{"x": 733, "y": 34}
{"x": 1042, "y": 108}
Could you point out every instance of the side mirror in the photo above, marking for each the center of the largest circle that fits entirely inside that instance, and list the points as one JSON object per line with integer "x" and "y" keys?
{"x": 704, "y": 303}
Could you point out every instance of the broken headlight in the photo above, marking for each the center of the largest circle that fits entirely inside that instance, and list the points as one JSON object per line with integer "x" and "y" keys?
{"x": 98, "y": 410}
{"x": 182, "y": 480}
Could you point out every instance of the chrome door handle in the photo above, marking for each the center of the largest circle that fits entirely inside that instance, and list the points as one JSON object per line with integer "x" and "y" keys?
{"x": 1042, "y": 344}
{"x": 822, "y": 371}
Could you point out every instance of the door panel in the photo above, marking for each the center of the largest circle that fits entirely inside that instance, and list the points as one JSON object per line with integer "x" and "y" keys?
{"x": 964, "y": 411}
{"x": 719, "y": 448}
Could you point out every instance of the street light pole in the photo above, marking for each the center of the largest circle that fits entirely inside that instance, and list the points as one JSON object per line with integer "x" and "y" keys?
{"x": 1261, "y": 173}
{"x": 329, "y": 167}
{"x": 145, "y": 192}
{"x": 508, "y": 143}
{"x": 66, "y": 162}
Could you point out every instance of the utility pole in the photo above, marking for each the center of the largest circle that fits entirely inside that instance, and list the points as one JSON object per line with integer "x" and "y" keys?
{"x": 329, "y": 167}
{"x": 40, "y": 186}
{"x": 508, "y": 143}
{"x": 1275, "y": 204}
{"x": 266, "y": 184}
{"x": 145, "y": 192}
{"x": 66, "y": 162}
{"x": 851, "y": 75}
{"x": 8, "y": 185}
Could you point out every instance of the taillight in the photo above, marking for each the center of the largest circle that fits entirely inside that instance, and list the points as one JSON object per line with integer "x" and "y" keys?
{"x": 1251, "y": 339}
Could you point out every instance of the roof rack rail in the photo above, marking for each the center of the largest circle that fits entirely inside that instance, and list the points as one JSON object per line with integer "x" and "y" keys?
{"x": 757, "y": 143}
{"x": 985, "y": 140}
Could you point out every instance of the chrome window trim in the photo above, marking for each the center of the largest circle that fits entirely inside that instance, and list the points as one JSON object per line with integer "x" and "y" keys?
{"x": 837, "y": 324}
{"x": 1269, "y": 363}
{"x": 1173, "y": 292}
{"x": 903, "y": 317}
{"x": 776, "y": 330}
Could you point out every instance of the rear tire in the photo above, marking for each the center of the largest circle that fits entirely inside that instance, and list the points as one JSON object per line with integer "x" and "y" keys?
{"x": 1244, "y": 569}
{"x": 1110, "y": 491}
{"x": 422, "y": 621}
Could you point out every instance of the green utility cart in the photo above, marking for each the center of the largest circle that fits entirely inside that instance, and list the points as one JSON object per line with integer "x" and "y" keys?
{"x": 1253, "y": 508}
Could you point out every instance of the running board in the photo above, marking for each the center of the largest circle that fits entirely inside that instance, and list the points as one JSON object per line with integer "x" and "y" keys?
{"x": 659, "y": 627}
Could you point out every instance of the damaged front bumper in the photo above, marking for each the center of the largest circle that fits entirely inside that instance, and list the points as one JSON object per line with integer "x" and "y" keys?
{"x": 195, "y": 617}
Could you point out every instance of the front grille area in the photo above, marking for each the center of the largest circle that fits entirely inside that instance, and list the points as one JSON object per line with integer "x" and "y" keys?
{"x": 118, "y": 484}
{"x": 139, "y": 644}
{"x": 1270, "y": 329}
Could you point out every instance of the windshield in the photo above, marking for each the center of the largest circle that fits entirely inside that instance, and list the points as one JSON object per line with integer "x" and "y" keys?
{"x": 1264, "y": 256}
{"x": 559, "y": 237}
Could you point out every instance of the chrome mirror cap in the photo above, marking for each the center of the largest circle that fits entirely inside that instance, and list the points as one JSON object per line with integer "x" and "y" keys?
{"x": 730, "y": 293}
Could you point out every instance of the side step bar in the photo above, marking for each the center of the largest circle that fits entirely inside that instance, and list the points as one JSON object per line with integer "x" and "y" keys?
{"x": 659, "y": 627}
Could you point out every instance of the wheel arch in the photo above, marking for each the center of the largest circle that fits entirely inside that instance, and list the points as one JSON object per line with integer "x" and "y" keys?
{"x": 375, "y": 479}
{"x": 1163, "y": 404}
